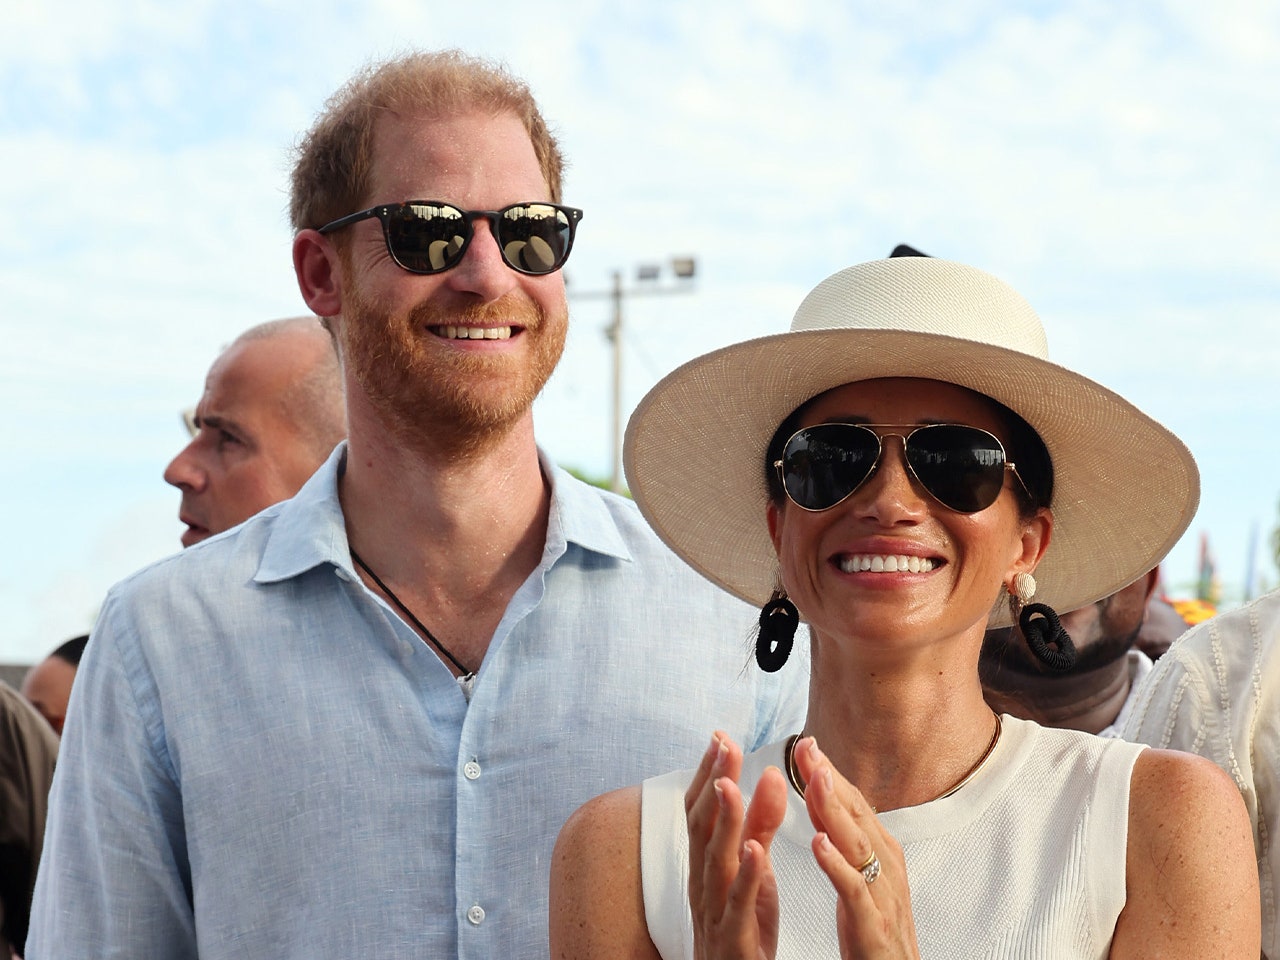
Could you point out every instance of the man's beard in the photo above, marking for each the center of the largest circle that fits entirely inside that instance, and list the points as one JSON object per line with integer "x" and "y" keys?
{"x": 447, "y": 400}
{"x": 1004, "y": 648}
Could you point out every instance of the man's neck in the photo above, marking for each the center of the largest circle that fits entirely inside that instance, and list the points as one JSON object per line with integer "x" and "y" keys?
{"x": 1088, "y": 701}
{"x": 454, "y": 536}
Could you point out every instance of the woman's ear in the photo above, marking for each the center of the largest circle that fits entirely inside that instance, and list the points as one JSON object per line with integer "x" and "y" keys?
{"x": 1036, "y": 534}
{"x": 773, "y": 516}
{"x": 319, "y": 272}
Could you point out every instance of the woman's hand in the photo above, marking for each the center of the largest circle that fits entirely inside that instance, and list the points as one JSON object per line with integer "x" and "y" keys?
{"x": 873, "y": 912}
{"x": 732, "y": 891}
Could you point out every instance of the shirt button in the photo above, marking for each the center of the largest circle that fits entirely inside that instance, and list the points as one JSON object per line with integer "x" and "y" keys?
{"x": 476, "y": 915}
{"x": 471, "y": 770}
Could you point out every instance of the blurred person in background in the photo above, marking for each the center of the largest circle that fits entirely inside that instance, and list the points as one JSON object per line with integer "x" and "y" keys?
{"x": 1093, "y": 695}
{"x": 28, "y": 749}
{"x": 271, "y": 413}
{"x": 47, "y": 685}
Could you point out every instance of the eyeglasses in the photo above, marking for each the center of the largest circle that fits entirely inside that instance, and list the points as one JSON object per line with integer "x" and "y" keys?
{"x": 961, "y": 467}
{"x": 427, "y": 236}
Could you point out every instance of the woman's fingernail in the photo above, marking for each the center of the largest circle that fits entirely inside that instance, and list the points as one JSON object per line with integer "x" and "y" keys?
{"x": 722, "y": 755}
{"x": 826, "y": 779}
{"x": 824, "y": 841}
{"x": 745, "y": 857}
{"x": 719, "y": 793}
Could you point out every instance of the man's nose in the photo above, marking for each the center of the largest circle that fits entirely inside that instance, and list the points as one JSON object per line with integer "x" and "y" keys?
{"x": 184, "y": 470}
{"x": 482, "y": 270}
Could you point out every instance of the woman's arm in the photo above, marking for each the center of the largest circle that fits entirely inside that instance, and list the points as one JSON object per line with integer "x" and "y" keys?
{"x": 597, "y": 901}
{"x": 1191, "y": 874}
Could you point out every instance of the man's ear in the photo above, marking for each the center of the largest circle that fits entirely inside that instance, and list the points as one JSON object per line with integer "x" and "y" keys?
{"x": 319, "y": 272}
{"x": 1153, "y": 581}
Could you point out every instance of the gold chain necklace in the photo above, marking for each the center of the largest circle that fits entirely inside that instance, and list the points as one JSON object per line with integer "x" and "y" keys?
{"x": 793, "y": 774}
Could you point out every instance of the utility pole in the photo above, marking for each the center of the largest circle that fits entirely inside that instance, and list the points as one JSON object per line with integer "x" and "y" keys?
{"x": 647, "y": 276}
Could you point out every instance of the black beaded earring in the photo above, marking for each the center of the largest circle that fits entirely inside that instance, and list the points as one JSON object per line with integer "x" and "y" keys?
{"x": 779, "y": 619}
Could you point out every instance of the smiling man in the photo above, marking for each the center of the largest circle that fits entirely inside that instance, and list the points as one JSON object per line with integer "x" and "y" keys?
{"x": 354, "y": 725}
{"x": 271, "y": 413}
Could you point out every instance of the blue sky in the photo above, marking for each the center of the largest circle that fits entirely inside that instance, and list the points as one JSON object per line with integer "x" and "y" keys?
{"x": 1116, "y": 165}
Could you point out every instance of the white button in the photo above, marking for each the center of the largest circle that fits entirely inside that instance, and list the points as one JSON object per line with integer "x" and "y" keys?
{"x": 476, "y": 915}
{"x": 471, "y": 770}
{"x": 342, "y": 574}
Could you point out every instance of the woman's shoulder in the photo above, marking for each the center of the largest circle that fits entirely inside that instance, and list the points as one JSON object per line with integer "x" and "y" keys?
{"x": 595, "y": 874}
{"x": 1170, "y": 785}
{"x": 602, "y": 818}
{"x": 1190, "y": 865}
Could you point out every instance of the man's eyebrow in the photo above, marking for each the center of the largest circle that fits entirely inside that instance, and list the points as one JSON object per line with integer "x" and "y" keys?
{"x": 218, "y": 423}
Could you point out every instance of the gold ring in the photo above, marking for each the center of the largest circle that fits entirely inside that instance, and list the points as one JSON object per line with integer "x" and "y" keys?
{"x": 870, "y": 870}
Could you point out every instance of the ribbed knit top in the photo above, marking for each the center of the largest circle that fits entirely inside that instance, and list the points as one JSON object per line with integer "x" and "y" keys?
{"x": 1026, "y": 860}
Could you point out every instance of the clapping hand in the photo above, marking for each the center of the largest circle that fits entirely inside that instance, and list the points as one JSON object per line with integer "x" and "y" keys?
{"x": 732, "y": 890}
{"x": 862, "y": 860}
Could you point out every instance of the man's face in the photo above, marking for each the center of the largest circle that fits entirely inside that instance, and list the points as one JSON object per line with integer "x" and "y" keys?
{"x": 407, "y": 340}
{"x": 248, "y": 452}
{"x": 47, "y": 687}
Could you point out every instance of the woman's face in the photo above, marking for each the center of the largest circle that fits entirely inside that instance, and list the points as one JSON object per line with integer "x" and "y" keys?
{"x": 964, "y": 560}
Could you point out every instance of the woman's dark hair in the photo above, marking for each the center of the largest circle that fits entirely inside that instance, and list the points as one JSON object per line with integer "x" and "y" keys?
{"x": 1025, "y": 449}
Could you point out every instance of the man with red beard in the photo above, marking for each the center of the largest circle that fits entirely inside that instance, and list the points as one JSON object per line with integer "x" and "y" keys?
{"x": 354, "y": 725}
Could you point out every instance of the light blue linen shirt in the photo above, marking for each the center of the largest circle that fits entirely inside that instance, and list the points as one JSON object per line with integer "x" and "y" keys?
{"x": 262, "y": 760}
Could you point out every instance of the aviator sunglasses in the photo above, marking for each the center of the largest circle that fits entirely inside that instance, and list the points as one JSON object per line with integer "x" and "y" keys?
{"x": 427, "y": 236}
{"x": 961, "y": 467}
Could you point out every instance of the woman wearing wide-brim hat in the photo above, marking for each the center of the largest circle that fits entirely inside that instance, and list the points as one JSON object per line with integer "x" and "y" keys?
{"x": 902, "y": 467}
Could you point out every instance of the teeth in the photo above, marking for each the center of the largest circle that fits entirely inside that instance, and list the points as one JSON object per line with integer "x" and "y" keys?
{"x": 474, "y": 333}
{"x": 862, "y": 563}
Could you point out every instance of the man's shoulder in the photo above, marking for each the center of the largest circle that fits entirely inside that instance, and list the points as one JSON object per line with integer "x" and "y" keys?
{"x": 1215, "y": 684}
{"x": 645, "y": 552}
{"x": 1235, "y": 644}
{"x": 214, "y": 569}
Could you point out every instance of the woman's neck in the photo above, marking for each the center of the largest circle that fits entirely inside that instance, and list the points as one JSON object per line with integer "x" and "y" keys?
{"x": 902, "y": 727}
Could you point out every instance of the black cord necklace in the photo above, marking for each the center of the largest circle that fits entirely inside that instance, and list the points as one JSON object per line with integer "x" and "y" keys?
{"x": 467, "y": 675}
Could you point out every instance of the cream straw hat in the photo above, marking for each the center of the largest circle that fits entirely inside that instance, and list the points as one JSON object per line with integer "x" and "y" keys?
{"x": 1125, "y": 488}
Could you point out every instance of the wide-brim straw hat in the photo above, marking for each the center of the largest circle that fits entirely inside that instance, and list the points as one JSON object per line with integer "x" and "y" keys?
{"x": 1125, "y": 488}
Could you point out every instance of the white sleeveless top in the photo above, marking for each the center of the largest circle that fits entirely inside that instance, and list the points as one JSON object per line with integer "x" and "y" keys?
{"x": 1026, "y": 860}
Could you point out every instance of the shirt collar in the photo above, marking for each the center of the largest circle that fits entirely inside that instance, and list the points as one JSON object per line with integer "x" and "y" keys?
{"x": 580, "y": 514}
{"x": 310, "y": 529}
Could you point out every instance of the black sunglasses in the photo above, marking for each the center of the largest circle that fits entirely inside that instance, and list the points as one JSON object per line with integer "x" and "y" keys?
{"x": 961, "y": 467}
{"x": 428, "y": 236}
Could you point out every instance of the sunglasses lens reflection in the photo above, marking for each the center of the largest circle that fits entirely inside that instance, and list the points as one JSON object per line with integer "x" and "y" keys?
{"x": 961, "y": 467}
{"x": 427, "y": 238}
{"x": 824, "y": 464}
{"x": 534, "y": 238}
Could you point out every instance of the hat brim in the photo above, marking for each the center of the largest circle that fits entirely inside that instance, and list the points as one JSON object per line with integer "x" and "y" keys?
{"x": 1125, "y": 488}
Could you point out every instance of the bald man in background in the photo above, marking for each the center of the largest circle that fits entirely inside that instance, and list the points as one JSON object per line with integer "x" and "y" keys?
{"x": 272, "y": 411}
